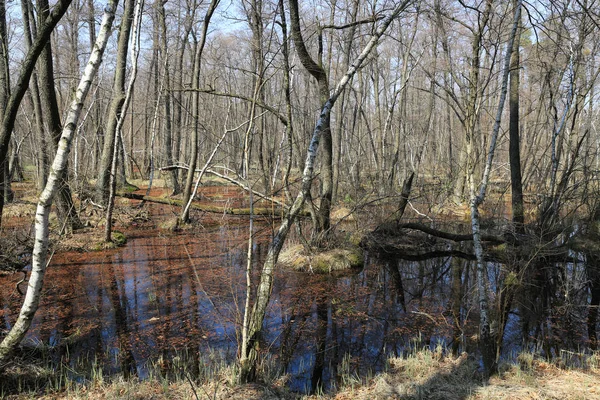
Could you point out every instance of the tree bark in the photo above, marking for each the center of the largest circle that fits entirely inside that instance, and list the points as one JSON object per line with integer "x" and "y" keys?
{"x": 116, "y": 105}
{"x": 317, "y": 71}
{"x": 248, "y": 361}
{"x": 42, "y": 156}
{"x": 189, "y": 181}
{"x": 289, "y": 126}
{"x": 12, "y": 103}
{"x": 137, "y": 20}
{"x": 486, "y": 336}
{"x": 168, "y": 97}
{"x": 40, "y": 250}
{"x": 514, "y": 150}
{"x": 5, "y": 189}
{"x": 64, "y": 202}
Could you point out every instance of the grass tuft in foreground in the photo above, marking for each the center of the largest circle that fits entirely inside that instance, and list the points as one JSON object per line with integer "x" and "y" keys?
{"x": 425, "y": 374}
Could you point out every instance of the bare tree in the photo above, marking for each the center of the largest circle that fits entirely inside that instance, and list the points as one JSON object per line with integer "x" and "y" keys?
{"x": 477, "y": 197}
{"x": 516, "y": 179}
{"x": 253, "y": 330}
{"x": 40, "y": 251}
{"x": 187, "y": 191}
{"x": 14, "y": 100}
{"x": 116, "y": 105}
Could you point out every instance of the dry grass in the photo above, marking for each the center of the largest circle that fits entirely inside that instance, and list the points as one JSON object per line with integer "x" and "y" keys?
{"x": 427, "y": 375}
{"x": 19, "y": 209}
{"x": 296, "y": 258}
{"x": 543, "y": 381}
{"x": 342, "y": 214}
{"x": 433, "y": 375}
{"x": 156, "y": 390}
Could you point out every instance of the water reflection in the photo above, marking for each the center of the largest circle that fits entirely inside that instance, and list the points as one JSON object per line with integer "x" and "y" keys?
{"x": 165, "y": 294}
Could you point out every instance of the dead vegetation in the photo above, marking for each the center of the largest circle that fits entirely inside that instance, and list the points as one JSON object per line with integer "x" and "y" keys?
{"x": 425, "y": 374}
{"x": 297, "y": 258}
{"x": 15, "y": 251}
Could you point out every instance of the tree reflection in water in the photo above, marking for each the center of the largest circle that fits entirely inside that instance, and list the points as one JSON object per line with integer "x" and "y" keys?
{"x": 167, "y": 294}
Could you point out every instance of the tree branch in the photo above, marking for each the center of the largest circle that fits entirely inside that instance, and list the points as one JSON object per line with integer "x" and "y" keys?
{"x": 212, "y": 91}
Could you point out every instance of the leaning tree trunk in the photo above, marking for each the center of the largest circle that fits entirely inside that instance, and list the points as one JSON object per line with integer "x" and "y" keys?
{"x": 248, "y": 360}
{"x": 14, "y": 101}
{"x": 40, "y": 250}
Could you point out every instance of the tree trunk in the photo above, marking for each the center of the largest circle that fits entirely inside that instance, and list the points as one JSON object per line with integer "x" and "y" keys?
{"x": 64, "y": 202}
{"x": 40, "y": 250}
{"x": 187, "y": 190}
{"x": 137, "y": 20}
{"x": 486, "y": 336}
{"x": 13, "y": 102}
{"x": 5, "y": 189}
{"x": 248, "y": 360}
{"x": 40, "y": 134}
{"x": 116, "y": 105}
{"x": 168, "y": 97}
{"x": 514, "y": 149}
{"x": 317, "y": 71}
{"x": 289, "y": 128}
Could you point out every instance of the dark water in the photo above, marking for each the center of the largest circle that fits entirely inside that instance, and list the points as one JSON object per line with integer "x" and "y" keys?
{"x": 168, "y": 295}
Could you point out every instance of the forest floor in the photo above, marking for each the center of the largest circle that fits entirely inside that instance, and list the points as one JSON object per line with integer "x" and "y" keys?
{"x": 422, "y": 375}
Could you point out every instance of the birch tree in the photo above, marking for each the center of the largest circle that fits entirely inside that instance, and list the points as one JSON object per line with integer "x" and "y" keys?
{"x": 477, "y": 197}
{"x": 11, "y": 107}
{"x": 40, "y": 250}
{"x": 253, "y": 329}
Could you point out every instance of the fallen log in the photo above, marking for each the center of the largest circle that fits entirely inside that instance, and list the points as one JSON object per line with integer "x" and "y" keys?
{"x": 276, "y": 212}
{"x": 449, "y": 235}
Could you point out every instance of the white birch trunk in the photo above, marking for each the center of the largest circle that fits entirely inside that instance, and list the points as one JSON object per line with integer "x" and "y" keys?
{"x": 263, "y": 292}
{"x": 485, "y": 335}
{"x": 40, "y": 249}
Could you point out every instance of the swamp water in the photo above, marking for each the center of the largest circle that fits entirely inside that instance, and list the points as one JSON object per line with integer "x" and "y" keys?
{"x": 166, "y": 296}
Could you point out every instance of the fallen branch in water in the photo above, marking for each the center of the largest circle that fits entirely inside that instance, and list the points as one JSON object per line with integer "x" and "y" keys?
{"x": 276, "y": 212}
{"x": 456, "y": 237}
{"x": 246, "y": 188}
{"x": 232, "y": 180}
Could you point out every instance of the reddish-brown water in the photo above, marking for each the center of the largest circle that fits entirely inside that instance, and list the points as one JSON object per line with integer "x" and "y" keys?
{"x": 165, "y": 293}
